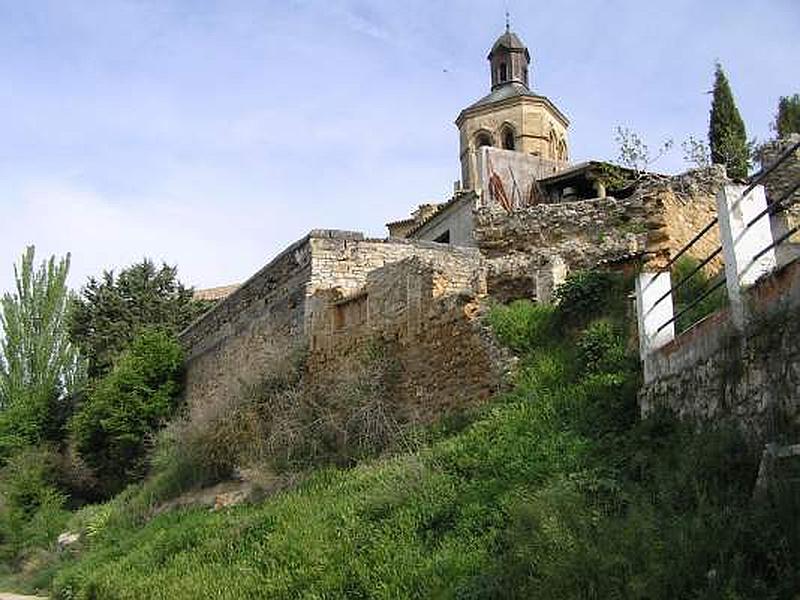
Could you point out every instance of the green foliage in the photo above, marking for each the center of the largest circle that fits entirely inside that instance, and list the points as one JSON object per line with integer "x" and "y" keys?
{"x": 127, "y": 406}
{"x": 522, "y": 325}
{"x": 693, "y": 289}
{"x": 787, "y": 120}
{"x": 601, "y": 348}
{"x": 39, "y": 368}
{"x": 587, "y": 295}
{"x": 726, "y": 133}
{"x": 32, "y": 510}
{"x": 111, "y": 311}
{"x": 555, "y": 490}
{"x": 615, "y": 178}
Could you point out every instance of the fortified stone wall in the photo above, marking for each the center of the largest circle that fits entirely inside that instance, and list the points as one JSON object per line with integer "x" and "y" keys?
{"x": 426, "y": 314}
{"x": 751, "y": 378}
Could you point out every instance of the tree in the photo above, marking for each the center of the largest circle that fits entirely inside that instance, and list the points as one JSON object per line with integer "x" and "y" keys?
{"x": 634, "y": 153}
{"x": 110, "y": 312}
{"x": 127, "y": 406}
{"x": 39, "y": 367}
{"x": 726, "y": 133}
{"x": 787, "y": 120}
{"x": 695, "y": 152}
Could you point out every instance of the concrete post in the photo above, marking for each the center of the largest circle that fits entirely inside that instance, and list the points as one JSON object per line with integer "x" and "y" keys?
{"x": 740, "y": 245}
{"x": 651, "y": 316}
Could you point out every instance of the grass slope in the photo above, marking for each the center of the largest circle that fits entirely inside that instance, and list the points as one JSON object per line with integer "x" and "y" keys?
{"x": 555, "y": 490}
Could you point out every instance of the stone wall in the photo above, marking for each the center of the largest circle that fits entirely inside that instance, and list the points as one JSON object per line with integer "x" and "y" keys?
{"x": 271, "y": 314}
{"x": 345, "y": 262}
{"x": 658, "y": 218}
{"x": 426, "y": 314}
{"x": 750, "y": 378}
{"x": 259, "y": 324}
{"x": 778, "y": 184}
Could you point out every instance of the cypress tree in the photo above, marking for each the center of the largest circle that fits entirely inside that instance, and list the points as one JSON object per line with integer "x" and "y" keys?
{"x": 726, "y": 134}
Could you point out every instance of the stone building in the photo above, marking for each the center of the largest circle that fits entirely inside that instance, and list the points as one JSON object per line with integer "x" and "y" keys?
{"x": 511, "y": 116}
{"x": 513, "y": 152}
{"x": 521, "y": 220}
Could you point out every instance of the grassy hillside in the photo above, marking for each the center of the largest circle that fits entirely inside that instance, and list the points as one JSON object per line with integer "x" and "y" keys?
{"x": 554, "y": 490}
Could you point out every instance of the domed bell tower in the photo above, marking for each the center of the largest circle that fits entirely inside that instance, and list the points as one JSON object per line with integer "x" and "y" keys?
{"x": 511, "y": 116}
{"x": 509, "y": 60}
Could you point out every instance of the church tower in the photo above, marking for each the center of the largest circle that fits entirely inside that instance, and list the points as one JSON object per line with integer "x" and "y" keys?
{"x": 511, "y": 116}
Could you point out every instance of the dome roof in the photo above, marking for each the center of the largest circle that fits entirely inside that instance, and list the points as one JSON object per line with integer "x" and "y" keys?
{"x": 510, "y": 41}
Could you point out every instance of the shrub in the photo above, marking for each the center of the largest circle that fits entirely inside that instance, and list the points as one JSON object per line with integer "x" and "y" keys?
{"x": 32, "y": 510}
{"x": 522, "y": 325}
{"x": 111, "y": 429}
{"x": 588, "y": 295}
{"x": 695, "y": 287}
{"x": 601, "y": 348}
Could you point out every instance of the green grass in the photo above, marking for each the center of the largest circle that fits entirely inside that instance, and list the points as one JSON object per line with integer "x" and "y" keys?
{"x": 554, "y": 490}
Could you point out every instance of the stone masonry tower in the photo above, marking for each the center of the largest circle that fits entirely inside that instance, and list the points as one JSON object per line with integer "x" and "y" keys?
{"x": 511, "y": 116}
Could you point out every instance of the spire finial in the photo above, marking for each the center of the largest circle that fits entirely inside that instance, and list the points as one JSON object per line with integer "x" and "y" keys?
{"x": 508, "y": 21}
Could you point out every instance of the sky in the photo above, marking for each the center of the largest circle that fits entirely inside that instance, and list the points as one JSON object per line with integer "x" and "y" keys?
{"x": 210, "y": 134}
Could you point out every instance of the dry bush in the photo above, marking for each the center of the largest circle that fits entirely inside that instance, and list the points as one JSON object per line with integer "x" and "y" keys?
{"x": 285, "y": 424}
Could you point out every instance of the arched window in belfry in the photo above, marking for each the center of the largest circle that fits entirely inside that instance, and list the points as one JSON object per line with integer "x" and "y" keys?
{"x": 562, "y": 149}
{"x": 508, "y": 139}
{"x": 483, "y": 139}
{"x": 503, "y": 72}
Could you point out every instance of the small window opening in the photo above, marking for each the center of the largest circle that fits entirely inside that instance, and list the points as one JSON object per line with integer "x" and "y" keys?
{"x": 484, "y": 140}
{"x": 508, "y": 140}
{"x": 443, "y": 238}
{"x": 503, "y": 72}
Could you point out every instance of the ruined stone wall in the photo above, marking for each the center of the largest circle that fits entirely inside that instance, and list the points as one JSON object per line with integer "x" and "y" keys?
{"x": 689, "y": 204}
{"x": 777, "y": 185}
{"x": 713, "y": 372}
{"x": 659, "y": 217}
{"x": 344, "y": 263}
{"x": 425, "y": 313}
{"x": 270, "y": 315}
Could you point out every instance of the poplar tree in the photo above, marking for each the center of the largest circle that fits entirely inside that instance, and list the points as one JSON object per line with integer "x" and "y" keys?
{"x": 726, "y": 133}
{"x": 39, "y": 367}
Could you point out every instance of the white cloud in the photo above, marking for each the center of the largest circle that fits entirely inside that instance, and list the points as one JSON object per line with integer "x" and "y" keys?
{"x": 202, "y": 240}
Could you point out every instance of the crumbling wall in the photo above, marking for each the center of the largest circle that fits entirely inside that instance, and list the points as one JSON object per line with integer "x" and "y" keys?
{"x": 777, "y": 185}
{"x": 425, "y": 313}
{"x": 344, "y": 262}
{"x": 689, "y": 203}
{"x": 659, "y": 217}
{"x": 271, "y": 314}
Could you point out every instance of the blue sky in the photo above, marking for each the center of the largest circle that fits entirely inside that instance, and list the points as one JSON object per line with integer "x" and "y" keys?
{"x": 211, "y": 134}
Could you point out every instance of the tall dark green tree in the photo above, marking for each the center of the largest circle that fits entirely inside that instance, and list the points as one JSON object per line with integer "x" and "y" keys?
{"x": 39, "y": 367}
{"x": 787, "y": 121}
{"x": 726, "y": 133}
{"x": 110, "y": 312}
